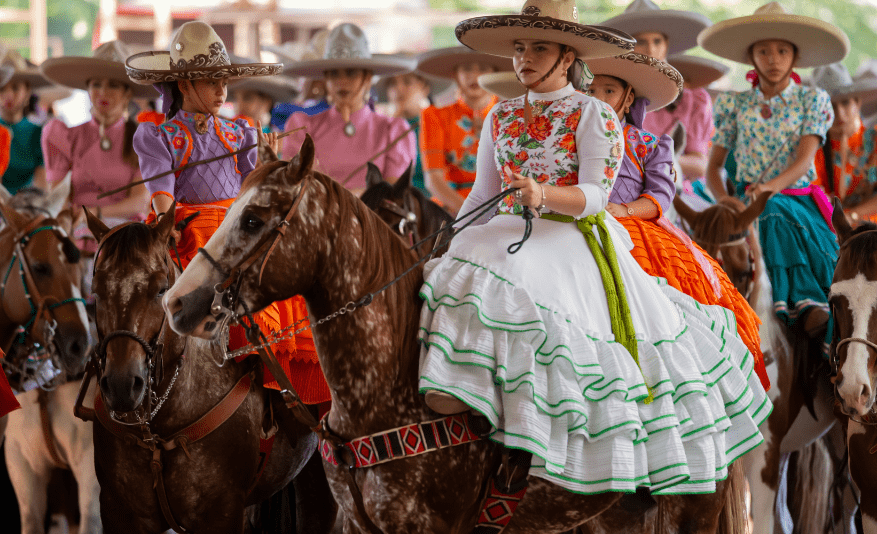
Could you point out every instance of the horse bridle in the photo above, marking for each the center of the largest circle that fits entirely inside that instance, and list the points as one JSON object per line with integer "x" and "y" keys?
{"x": 154, "y": 350}
{"x": 733, "y": 241}
{"x": 407, "y": 217}
{"x": 40, "y": 306}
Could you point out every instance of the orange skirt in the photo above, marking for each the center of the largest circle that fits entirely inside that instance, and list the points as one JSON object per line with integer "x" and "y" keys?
{"x": 660, "y": 253}
{"x": 297, "y": 356}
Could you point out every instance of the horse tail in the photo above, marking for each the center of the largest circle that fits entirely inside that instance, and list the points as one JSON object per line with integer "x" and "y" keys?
{"x": 734, "y": 517}
{"x": 814, "y": 478}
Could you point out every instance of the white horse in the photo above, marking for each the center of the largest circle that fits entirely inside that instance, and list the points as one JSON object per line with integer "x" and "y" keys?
{"x": 29, "y": 458}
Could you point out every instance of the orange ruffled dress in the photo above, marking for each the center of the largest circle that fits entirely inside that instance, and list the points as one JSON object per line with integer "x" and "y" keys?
{"x": 663, "y": 250}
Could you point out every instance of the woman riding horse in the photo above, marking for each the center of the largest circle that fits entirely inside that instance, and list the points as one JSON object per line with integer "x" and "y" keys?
{"x": 573, "y": 354}
{"x": 634, "y": 84}
{"x": 774, "y": 131}
{"x": 194, "y": 89}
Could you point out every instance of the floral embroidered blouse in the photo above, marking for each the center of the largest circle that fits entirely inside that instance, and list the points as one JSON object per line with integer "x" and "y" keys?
{"x": 760, "y": 143}
{"x": 859, "y": 170}
{"x": 574, "y": 140}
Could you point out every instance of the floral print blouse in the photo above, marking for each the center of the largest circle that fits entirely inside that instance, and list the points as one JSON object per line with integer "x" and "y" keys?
{"x": 763, "y": 134}
{"x": 574, "y": 140}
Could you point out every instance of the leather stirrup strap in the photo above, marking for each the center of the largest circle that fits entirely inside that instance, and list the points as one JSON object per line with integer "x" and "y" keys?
{"x": 48, "y": 435}
{"x": 158, "y": 485}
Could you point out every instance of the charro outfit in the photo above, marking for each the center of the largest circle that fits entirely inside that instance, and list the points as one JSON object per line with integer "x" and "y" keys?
{"x": 800, "y": 249}
{"x": 612, "y": 379}
{"x": 210, "y": 189}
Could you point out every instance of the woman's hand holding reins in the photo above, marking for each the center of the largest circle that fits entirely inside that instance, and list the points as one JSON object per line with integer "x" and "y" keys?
{"x": 530, "y": 191}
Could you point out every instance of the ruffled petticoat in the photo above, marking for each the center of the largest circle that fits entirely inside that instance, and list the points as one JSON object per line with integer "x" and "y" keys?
{"x": 526, "y": 340}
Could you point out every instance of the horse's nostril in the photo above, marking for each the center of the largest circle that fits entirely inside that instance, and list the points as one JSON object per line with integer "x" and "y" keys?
{"x": 866, "y": 392}
{"x": 173, "y": 305}
{"x": 137, "y": 386}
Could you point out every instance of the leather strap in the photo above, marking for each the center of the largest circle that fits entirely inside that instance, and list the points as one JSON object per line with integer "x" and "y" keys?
{"x": 158, "y": 484}
{"x": 48, "y": 434}
{"x": 79, "y": 410}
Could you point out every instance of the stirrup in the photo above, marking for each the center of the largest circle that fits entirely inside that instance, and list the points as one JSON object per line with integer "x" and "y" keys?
{"x": 504, "y": 493}
{"x": 444, "y": 403}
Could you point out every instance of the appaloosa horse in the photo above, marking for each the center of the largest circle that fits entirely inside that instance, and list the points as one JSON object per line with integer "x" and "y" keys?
{"x": 725, "y": 231}
{"x": 853, "y": 300}
{"x": 183, "y": 439}
{"x": 333, "y": 250}
{"x": 405, "y": 208}
{"x": 43, "y": 320}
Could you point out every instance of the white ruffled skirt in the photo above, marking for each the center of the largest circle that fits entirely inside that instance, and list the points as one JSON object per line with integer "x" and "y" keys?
{"x": 526, "y": 340}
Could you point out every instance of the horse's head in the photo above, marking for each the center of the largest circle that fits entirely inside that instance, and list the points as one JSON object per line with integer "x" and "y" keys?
{"x": 723, "y": 232}
{"x": 279, "y": 199}
{"x": 853, "y": 299}
{"x": 40, "y": 285}
{"x": 132, "y": 272}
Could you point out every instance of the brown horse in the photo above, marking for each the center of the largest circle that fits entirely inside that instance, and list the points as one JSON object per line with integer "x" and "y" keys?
{"x": 405, "y": 208}
{"x": 335, "y": 250}
{"x": 154, "y": 384}
{"x": 853, "y": 353}
{"x": 726, "y": 232}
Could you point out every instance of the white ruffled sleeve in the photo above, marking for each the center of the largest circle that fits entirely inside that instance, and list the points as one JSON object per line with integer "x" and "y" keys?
{"x": 600, "y": 147}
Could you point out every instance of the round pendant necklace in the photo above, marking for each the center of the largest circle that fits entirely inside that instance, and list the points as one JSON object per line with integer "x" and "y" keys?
{"x": 766, "y": 113}
{"x": 105, "y": 143}
{"x": 200, "y": 123}
{"x": 349, "y": 129}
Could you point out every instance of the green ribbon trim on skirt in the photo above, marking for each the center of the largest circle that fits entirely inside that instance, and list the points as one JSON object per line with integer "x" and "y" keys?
{"x": 607, "y": 263}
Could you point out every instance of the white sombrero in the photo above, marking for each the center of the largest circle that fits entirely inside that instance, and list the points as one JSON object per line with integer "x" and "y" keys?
{"x": 107, "y": 61}
{"x": 443, "y": 62}
{"x": 818, "y": 42}
{"x": 292, "y": 53}
{"x": 279, "y": 88}
{"x": 6, "y": 73}
{"x": 680, "y": 27}
{"x": 698, "y": 71}
{"x": 555, "y": 21}
{"x": 22, "y": 69}
{"x": 436, "y": 84}
{"x": 196, "y": 52}
{"x": 650, "y": 78}
{"x": 503, "y": 84}
{"x": 835, "y": 79}
{"x": 347, "y": 48}
{"x": 868, "y": 73}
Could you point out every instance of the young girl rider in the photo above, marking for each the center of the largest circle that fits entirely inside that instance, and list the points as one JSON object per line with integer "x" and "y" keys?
{"x": 774, "y": 131}
{"x": 609, "y": 378}
{"x": 193, "y": 78}
{"x": 634, "y": 84}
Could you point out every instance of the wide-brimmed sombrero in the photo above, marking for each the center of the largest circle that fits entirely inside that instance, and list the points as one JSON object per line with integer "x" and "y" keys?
{"x": 279, "y": 88}
{"x": 436, "y": 84}
{"x": 555, "y": 21}
{"x": 680, "y": 27}
{"x": 196, "y": 52}
{"x": 503, "y": 84}
{"x": 867, "y": 73}
{"x": 835, "y": 79}
{"x": 698, "y": 71}
{"x": 6, "y": 73}
{"x": 291, "y": 53}
{"x": 347, "y": 48}
{"x": 818, "y": 42}
{"x": 107, "y": 61}
{"x": 22, "y": 69}
{"x": 650, "y": 78}
{"x": 443, "y": 62}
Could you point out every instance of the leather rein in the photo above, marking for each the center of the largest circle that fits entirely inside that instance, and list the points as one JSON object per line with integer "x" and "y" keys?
{"x": 408, "y": 223}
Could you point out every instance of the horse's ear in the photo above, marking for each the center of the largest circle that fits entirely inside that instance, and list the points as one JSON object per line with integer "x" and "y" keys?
{"x": 745, "y": 218}
{"x": 373, "y": 176}
{"x": 58, "y": 196}
{"x": 684, "y": 210}
{"x": 96, "y": 226}
{"x": 839, "y": 221}
{"x": 404, "y": 181}
{"x": 164, "y": 226}
{"x": 14, "y": 219}
{"x": 65, "y": 220}
{"x": 307, "y": 154}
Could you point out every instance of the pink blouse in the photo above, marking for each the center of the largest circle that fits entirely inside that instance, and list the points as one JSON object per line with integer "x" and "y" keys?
{"x": 94, "y": 170}
{"x": 695, "y": 111}
{"x": 338, "y": 155}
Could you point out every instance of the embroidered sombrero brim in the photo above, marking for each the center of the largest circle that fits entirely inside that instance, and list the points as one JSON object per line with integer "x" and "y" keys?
{"x": 698, "y": 71}
{"x": 149, "y": 68}
{"x": 443, "y": 62}
{"x": 650, "y": 78}
{"x": 505, "y": 85}
{"x": 496, "y": 35}
{"x": 280, "y": 89}
{"x": 378, "y": 64}
{"x": 75, "y": 72}
{"x": 680, "y": 27}
{"x": 818, "y": 42}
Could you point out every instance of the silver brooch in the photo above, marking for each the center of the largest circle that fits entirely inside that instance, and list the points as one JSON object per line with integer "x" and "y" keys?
{"x": 179, "y": 47}
{"x": 349, "y": 129}
{"x": 575, "y": 12}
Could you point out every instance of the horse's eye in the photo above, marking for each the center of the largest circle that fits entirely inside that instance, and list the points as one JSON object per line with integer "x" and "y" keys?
{"x": 251, "y": 223}
{"x": 161, "y": 292}
{"x": 42, "y": 269}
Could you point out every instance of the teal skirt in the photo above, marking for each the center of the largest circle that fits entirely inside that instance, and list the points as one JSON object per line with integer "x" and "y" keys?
{"x": 800, "y": 252}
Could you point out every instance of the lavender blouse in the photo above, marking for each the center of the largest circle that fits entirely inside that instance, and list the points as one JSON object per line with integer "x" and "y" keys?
{"x": 647, "y": 168}
{"x": 339, "y": 155}
{"x": 93, "y": 170}
{"x": 176, "y": 142}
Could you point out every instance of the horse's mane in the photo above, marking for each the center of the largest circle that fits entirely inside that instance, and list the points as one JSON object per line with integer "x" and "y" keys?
{"x": 128, "y": 244}
{"x": 716, "y": 223}
{"x": 861, "y": 253}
